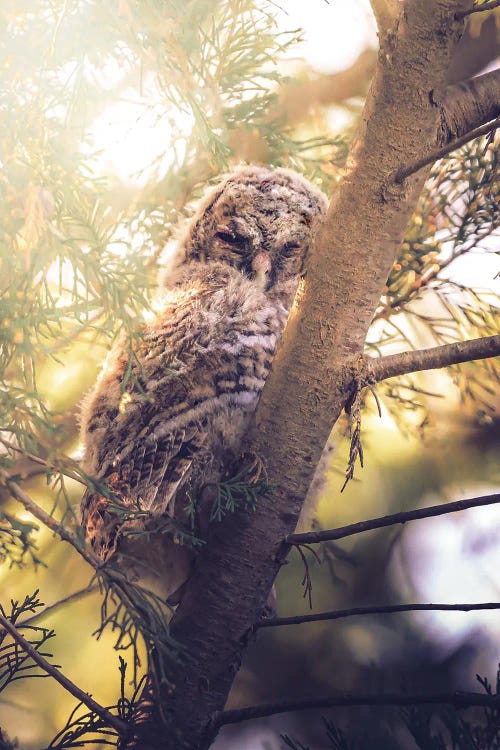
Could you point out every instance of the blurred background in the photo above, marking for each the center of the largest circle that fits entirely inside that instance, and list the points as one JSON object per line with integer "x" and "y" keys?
{"x": 113, "y": 119}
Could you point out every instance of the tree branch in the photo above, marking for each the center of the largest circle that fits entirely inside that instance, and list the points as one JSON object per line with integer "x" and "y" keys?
{"x": 85, "y": 698}
{"x": 432, "y": 358}
{"x": 340, "y": 614}
{"x": 404, "y": 172}
{"x": 49, "y": 521}
{"x": 457, "y": 700}
{"x": 469, "y": 105}
{"x": 314, "y": 537}
{"x": 49, "y": 467}
{"x": 479, "y": 8}
{"x": 295, "y": 100}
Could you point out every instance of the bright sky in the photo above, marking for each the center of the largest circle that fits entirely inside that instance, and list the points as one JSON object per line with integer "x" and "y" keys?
{"x": 335, "y": 31}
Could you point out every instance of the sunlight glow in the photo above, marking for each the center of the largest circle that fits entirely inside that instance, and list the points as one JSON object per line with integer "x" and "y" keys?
{"x": 136, "y": 142}
{"x": 136, "y": 138}
{"x": 334, "y": 33}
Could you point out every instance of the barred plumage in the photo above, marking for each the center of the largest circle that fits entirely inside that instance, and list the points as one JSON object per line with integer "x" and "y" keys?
{"x": 161, "y": 427}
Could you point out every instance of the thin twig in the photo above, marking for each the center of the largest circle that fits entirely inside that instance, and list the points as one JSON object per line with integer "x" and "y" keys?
{"x": 457, "y": 699}
{"x": 113, "y": 721}
{"x": 439, "y": 153}
{"x": 307, "y": 580}
{"x": 432, "y": 358}
{"x": 42, "y": 462}
{"x": 61, "y": 603}
{"x": 478, "y": 8}
{"x": 340, "y": 614}
{"x": 65, "y": 534}
{"x": 314, "y": 537}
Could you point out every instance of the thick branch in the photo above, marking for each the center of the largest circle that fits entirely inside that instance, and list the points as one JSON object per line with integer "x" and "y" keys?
{"x": 296, "y": 100}
{"x": 469, "y": 105}
{"x": 433, "y": 358}
{"x": 78, "y": 693}
{"x": 328, "y": 535}
{"x": 457, "y": 700}
{"x": 340, "y": 614}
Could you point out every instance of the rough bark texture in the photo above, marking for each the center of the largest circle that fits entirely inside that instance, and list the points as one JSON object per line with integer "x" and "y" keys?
{"x": 468, "y": 105}
{"x": 313, "y": 373}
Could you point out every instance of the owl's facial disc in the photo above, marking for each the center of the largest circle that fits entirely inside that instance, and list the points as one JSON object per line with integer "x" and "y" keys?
{"x": 256, "y": 253}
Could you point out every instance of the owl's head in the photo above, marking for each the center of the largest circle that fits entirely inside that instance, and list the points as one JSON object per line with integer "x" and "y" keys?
{"x": 259, "y": 220}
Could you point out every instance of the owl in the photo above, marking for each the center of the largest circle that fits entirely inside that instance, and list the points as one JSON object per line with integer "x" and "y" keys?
{"x": 163, "y": 424}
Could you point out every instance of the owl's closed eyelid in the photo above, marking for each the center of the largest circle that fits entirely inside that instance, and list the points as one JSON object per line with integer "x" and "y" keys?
{"x": 229, "y": 237}
{"x": 290, "y": 248}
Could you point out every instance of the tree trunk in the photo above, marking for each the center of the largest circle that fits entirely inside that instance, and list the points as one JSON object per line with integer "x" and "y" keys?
{"x": 316, "y": 365}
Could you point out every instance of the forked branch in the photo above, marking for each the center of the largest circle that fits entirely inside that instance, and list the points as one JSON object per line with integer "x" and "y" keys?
{"x": 468, "y": 105}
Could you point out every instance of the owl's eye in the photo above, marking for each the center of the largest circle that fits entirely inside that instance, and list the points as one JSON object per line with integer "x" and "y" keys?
{"x": 291, "y": 248}
{"x": 236, "y": 241}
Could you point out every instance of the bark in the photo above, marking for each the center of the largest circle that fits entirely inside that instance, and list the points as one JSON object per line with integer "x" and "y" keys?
{"x": 354, "y": 252}
{"x": 468, "y": 105}
{"x": 488, "y": 129}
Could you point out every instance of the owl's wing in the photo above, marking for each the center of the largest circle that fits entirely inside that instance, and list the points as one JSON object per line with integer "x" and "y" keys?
{"x": 144, "y": 482}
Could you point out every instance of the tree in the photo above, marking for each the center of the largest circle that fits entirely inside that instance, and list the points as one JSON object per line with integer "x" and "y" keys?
{"x": 367, "y": 265}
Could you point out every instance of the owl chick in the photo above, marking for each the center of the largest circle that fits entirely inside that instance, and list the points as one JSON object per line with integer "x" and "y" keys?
{"x": 161, "y": 427}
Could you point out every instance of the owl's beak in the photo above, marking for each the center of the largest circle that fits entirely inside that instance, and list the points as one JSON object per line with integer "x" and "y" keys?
{"x": 261, "y": 266}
